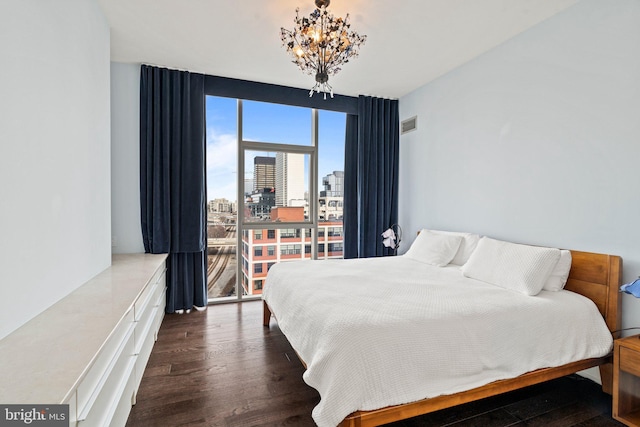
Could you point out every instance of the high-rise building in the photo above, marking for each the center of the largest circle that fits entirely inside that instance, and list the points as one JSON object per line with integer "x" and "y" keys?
{"x": 290, "y": 179}
{"x": 248, "y": 186}
{"x": 330, "y": 201}
{"x": 333, "y": 185}
{"x": 264, "y": 173}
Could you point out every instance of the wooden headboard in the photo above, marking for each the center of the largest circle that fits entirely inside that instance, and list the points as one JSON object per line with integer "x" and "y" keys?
{"x": 598, "y": 277}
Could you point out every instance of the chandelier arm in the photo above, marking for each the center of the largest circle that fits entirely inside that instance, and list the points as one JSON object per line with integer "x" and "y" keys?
{"x": 344, "y": 56}
{"x": 307, "y": 59}
{"x": 341, "y": 56}
{"x": 322, "y": 50}
{"x": 338, "y": 61}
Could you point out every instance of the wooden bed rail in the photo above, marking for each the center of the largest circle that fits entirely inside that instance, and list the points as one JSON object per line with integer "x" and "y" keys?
{"x": 400, "y": 412}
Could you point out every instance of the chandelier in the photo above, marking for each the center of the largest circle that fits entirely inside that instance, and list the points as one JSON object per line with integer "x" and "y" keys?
{"x": 320, "y": 44}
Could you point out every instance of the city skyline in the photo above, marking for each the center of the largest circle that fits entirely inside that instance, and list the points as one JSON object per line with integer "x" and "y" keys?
{"x": 267, "y": 123}
{"x": 332, "y": 186}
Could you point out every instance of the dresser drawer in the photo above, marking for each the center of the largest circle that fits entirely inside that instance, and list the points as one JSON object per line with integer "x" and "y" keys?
{"x": 160, "y": 304}
{"x": 104, "y": 364}
{"x": 630, "y": 361}
{"x": 112, "y": 388}
{"x": 143, "y": 357}
{"x": 73, "y": 411}
{"x": 147, "y": 297}
{"x": 123, "y": 408}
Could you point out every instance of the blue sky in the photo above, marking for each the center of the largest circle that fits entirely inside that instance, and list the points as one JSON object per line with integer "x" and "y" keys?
{"x": 266, "y": 123}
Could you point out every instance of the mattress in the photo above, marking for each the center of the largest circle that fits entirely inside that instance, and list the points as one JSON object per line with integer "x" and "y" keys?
{"x": 376, "y": 332}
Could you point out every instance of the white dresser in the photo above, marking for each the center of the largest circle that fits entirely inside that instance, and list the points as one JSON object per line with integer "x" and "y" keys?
{"x": 89, "y": 350}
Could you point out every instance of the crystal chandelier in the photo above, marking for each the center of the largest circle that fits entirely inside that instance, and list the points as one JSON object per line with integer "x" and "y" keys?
{"x": 320, "y": 44}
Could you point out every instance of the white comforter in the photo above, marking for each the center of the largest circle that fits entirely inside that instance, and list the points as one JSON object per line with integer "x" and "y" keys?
{"x": 385, "y": 331}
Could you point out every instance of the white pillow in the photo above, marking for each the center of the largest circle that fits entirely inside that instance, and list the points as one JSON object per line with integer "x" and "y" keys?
{"x": 434, "y": 249}
{"x": 520, "y": 268}
{"x": 560, "y": 273}
{"x": 467, "y": 246}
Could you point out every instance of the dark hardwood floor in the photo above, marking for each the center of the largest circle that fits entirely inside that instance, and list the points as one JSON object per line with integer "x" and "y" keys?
{"x": 221, "y": 367}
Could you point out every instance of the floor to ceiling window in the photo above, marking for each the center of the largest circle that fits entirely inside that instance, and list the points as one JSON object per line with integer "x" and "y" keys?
{"x": 275, "y": 178}
{"x": 222, "y": 192}
{"x": 331, "y": 134}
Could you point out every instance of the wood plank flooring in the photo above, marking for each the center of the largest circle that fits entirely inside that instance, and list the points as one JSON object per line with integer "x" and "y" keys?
{"x": 221, "y": 367}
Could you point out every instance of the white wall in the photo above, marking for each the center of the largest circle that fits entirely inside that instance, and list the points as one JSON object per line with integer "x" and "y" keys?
{"x": 54, "y": 153}
{"x": 536, "y": 141}
{"x": 125, "y": 158}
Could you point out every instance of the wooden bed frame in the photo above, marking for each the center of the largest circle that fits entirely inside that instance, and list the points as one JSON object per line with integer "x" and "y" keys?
{"x": 596, "y": 276}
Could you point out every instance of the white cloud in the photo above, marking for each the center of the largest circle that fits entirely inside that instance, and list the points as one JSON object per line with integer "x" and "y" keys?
{"x": 222, "y": 155}
{"x": 222, "y": 151}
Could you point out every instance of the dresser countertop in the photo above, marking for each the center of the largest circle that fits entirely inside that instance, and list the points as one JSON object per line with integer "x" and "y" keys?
{"x": 43, "y": 361}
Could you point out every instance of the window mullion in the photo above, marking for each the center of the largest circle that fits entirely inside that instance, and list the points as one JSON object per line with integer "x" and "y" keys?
{"x": 240, "y": 203}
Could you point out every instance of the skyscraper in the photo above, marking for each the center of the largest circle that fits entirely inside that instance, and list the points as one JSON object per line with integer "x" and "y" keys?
{"x": 248, "y": 186}
{"x": 264, "y": 173}
{"x": 333, "y": 185}
{"x": 290, "y": 179}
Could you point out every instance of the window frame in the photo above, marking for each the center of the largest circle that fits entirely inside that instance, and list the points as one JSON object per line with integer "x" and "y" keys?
{"x": 246, "y": 226}
{"x": 272, "y": 147}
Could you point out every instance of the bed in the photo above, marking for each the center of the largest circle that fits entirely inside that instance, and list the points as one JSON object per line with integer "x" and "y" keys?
{"x": 355, "y": 326}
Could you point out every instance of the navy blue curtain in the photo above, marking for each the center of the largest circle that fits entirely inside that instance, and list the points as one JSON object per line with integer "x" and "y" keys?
{"x": 172, "y": 180}
{"x": 371, "y": 176}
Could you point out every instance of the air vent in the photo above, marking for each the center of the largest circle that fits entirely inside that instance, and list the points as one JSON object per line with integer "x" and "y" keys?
{"x": 409, "y": 125}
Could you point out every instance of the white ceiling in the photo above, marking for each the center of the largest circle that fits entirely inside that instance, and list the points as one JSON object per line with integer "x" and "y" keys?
{"x": 409, "y": 42}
